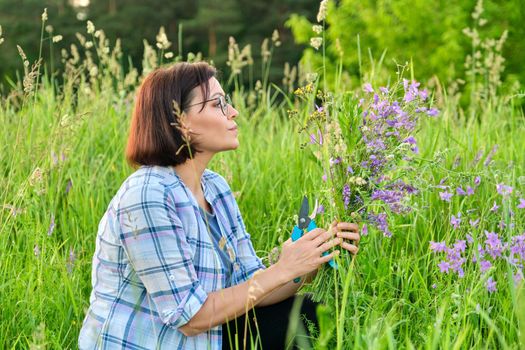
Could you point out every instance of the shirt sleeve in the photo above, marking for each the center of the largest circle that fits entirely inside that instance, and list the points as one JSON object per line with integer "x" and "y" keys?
{"x": 155, "y": 244}
{"x": 249, "y": 260}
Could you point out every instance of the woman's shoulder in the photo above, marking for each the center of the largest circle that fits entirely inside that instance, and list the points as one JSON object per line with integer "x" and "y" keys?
{"x": 150, "y": 183}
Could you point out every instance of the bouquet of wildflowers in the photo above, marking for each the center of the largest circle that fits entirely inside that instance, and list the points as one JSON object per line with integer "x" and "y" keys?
{"x": 365, "y": 143}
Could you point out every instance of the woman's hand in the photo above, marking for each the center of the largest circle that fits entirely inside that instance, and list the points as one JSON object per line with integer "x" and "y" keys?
{"x": 305, "y": 255}
{"x": 349, "y": 232}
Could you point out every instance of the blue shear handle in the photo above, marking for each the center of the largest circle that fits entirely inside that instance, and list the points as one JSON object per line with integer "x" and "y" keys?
{"x": 298, "y": 233}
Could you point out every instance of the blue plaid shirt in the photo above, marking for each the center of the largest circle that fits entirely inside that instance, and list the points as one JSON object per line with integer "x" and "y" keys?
{"x": 155, "y": 263}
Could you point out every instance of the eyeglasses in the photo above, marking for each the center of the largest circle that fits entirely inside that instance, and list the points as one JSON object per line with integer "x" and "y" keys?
{"x": 222, "y": 101}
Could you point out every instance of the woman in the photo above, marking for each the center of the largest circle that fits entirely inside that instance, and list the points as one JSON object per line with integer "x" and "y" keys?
{"x": 173, "y": 261}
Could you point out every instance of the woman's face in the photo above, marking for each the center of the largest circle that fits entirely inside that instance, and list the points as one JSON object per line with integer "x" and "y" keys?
{"x": 210, "y": 130}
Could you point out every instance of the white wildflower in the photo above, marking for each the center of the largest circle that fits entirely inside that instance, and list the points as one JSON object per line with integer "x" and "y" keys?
{"x": 275, "y": 38}
{"x": 323, "y": 6}
{"x": 90, "y": 27}
{"x": 318, "y": 29}
{"x": 316, "y": 42}
{"x": 44, "y": 15}
{"x": 57, "y": 38}
{"x": 1, "y": 39}
{"x": 49, "y": 29}
{"x": 88, "y": 44}
{"x": 168, "y": 55}
{"x": 162, "y": 40}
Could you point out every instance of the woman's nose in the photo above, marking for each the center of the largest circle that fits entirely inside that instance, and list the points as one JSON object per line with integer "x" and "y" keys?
{"x": 233, "y": 113}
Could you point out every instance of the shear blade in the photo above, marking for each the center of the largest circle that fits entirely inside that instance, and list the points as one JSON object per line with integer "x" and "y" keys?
{"x": 304, "y": 219}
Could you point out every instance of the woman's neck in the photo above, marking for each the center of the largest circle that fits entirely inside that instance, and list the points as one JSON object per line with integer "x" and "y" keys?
{"x": 191, "y": 171}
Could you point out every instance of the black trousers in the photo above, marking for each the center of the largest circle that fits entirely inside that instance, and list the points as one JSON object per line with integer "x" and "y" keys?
{"x": 285, "y": 325}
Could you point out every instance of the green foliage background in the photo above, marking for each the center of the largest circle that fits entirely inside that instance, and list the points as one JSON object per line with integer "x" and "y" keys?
{"x": 426, "y": 33}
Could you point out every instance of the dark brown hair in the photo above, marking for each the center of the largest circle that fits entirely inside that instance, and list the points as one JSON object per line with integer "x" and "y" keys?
{"x": 153, "y": 138}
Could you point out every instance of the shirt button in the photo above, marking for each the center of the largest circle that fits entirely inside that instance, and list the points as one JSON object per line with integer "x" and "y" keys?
{"x": 172, "y": 278}
{"x": 236, "y": 266}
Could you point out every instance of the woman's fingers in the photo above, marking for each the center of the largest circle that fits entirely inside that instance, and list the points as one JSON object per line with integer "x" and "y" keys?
{"x": 350, "y": 247}
{"x": 315, "y": 233}
{"x": 348, "y": 226}
{"x": 328, "y": 257}
{"x": 327, "y": 245}
{"x": 353, "y": 236}
{"x": 324, "y": 237}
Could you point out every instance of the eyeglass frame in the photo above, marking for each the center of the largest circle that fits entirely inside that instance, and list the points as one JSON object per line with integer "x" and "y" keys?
{"x": 224, "y": 107}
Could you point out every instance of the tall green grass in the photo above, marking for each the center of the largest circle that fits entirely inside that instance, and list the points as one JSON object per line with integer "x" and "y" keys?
{"x": 62, "y": 158}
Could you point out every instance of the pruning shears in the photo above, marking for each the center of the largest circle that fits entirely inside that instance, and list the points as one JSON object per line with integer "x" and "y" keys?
{"x": 306, "y": 222}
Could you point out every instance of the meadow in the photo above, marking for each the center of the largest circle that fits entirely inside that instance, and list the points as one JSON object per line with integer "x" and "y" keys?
{"x": 424, "y": 287}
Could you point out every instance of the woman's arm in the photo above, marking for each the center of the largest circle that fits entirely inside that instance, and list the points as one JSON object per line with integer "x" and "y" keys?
{"x": 287, "y": 290}
{"x": 297, "y": 259}
{"x": 229, "y": 303}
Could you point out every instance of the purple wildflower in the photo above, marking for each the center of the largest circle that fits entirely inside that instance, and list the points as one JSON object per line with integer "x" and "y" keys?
{"x": 460, "y": 245}
{"x": 493, "y": 244}
{"x": 504, "y": 190}
{"x": 470, "y": 240}
{"x": 390, "y": 197}
{"x": 434, "y": 286}
{"x": 318, "y": 140}
{"x": 488, "y": 160}
{"x": 384, "y": 90}
{"x": 518, "y": 246}
{"x": 438, "y": 246}
{"x": 349, "y": 170}
{"x": 412, "y": 142}
{"x": 380, "y": 221}
{"x": 364, "y": 230}
{"x": 460, "y": 191}
{"x": 491, "y": 285}
{"x": 522, "y": 204}
{"x": 346, "y": 195}
{"x": 494, "y": 208}
{"x": 455, "y": 220}
{"x": 69, "y": 184}
{"x": 470, "y": 191}
{"x": 432, "y": 112}
{"x": 320, "y": 209}
{"x": 445, "y": 196}
{"x": 477, "y": 180}
{"x": 368, "y": 88}
{"x": 324, "y": 177}
{"x": 484, "y": 265}
{"x": 423, "y": 94}
{"x": 444, "y": 266}
{"x": 474, "y": 223}
{"x": 335, "y": 161}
